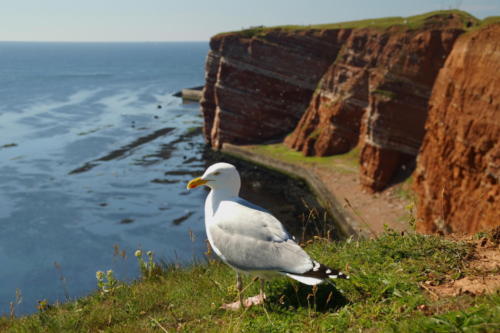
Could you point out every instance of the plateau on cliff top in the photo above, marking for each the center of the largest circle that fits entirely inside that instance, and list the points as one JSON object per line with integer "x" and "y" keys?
{"x": 410, "y": 22}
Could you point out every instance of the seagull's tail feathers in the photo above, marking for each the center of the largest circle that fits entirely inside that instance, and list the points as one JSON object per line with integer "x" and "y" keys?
{"x": 319, "y": 273}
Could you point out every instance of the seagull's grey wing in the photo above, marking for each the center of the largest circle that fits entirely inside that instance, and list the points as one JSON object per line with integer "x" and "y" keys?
{"x": 252, "y": 239}
{"x": 242, "y": 217}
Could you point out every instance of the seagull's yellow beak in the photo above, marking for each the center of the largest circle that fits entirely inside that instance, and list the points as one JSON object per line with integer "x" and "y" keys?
{"x": 196, "y": 182}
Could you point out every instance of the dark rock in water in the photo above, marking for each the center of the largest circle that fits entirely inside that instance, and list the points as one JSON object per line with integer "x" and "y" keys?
{"x": 159, "y": 106}
{"x": 9, "y": 145}
{"x": 123, "y": 151}
{"x": 156, "y": 117}
{"x": 164, "y": 181}
{"x": 183, "y": 218}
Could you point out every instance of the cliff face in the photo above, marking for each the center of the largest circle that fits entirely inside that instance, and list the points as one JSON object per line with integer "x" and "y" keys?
{"x": 385, "y": 89}
{"x": 458, "y": 168}
{"x": 258, "y": 86}
{"x": 376, "y": 95}
{"x": 331, "y": 123}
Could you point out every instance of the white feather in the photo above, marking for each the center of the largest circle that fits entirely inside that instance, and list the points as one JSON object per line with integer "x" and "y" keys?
{"x": 305, "y": 279}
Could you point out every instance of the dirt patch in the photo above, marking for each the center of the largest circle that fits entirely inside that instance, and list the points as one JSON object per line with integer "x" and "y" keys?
{"x": 469, "y": 285}
{"x": 482, "y": 271}
{"x": 375, "y": 211}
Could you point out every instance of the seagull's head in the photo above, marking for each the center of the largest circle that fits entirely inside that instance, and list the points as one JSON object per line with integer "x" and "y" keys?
{"x": 219, "y": 176}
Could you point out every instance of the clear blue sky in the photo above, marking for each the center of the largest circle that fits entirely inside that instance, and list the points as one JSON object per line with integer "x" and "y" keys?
{"x": 180, "y": 20}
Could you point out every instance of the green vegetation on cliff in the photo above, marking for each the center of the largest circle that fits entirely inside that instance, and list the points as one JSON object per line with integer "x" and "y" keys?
{"x": 490, "y": 20}
{"x": 348, "y": 162}
{"x": 412, "y": 22}
{"x": 387, "y": 292}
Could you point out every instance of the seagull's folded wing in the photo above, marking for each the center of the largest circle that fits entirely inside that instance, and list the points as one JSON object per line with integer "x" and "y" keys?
{"x": 251, "y": 239}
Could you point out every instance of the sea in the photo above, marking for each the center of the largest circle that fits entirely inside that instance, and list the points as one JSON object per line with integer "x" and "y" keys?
{"x": 95, "y": 155}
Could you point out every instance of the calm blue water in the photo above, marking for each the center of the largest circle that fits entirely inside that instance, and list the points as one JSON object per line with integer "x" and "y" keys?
{"x": 88, "y": 163}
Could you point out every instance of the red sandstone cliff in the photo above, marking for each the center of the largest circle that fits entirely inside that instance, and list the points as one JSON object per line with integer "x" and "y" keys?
{"x": 335, "y": 89}
{"x": 373, "y": 82}
{"x": 458, "y": 170}
{"x": 376, "y": 95}
{"x": 258, "y": 85}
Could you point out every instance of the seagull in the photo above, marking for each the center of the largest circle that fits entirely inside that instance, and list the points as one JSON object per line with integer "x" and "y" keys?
{"x": 250, "y": 239}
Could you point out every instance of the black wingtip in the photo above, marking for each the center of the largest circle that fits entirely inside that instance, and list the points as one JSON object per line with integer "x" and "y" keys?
{"x": 321, "y": 271}
{"x": 337, "y": 275}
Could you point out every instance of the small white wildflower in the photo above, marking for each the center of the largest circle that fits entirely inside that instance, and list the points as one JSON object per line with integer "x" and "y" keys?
{"x": 149, "y": 253}
{"x": 109, "y": 273}
{"x": 138, "y": 253}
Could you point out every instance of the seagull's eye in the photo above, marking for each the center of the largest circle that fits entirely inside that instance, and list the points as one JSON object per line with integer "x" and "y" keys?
{"x": 216, "y": 173}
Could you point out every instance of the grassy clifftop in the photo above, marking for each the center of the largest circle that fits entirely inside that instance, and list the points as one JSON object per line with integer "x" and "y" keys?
{"x": 394, "y": 286}
{"x": 412, "y": 22}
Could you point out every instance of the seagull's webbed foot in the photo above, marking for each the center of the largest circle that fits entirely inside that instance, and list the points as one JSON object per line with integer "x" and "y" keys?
{"x": 247, "y": 302}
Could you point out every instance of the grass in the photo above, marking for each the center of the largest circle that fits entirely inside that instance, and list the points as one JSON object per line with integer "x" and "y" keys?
{"x": 348, "y": 162}
{"x": 489, "y": 20}
{"x": 411, "y": 22}
{"x": 383, "y": 294}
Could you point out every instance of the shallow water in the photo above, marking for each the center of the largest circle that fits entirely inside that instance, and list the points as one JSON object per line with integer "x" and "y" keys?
{"x": 91, "y": 168}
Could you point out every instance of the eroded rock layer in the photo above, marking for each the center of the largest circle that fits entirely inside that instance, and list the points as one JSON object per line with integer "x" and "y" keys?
{"x": 458, "y": 168}
{"x": 376, "y": 95}
{"x": 258, "y": 86}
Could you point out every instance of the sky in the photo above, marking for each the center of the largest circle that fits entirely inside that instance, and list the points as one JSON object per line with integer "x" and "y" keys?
{"x": 195, "y": 20}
